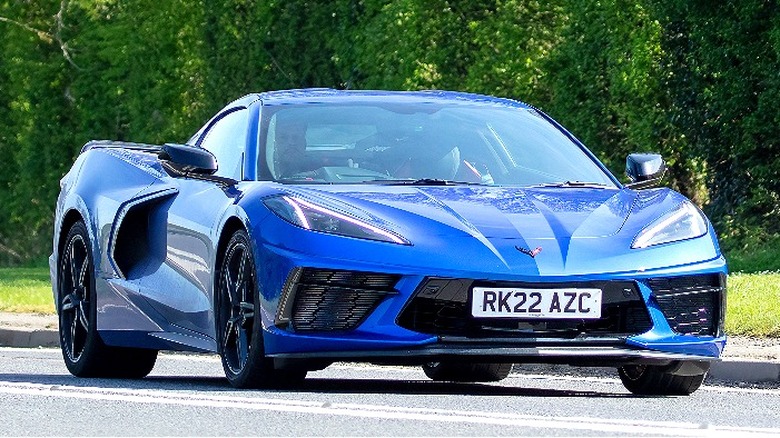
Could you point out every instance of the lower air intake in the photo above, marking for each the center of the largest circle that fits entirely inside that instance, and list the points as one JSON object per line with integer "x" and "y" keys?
{"x": 692, "y": 305}
{"x": 328, "y": 300}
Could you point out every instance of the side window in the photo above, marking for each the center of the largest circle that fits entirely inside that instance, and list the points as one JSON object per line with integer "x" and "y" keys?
{"x": 227, "y": 141}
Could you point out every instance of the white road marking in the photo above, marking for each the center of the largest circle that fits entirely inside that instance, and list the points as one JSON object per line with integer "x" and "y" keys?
{"x": 599, "y": 425}
{"x": 213, "y": 358}
{"x": 529, "y": 376}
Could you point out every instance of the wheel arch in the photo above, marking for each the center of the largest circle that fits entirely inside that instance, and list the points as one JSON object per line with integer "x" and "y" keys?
{"x": 232, "y": 225}
{"x": 61, "y": 233}
{"x": 70, "y": 218}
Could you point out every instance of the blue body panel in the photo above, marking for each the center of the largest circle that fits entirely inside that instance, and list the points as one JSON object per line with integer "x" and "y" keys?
{"x": 165, "y": 299}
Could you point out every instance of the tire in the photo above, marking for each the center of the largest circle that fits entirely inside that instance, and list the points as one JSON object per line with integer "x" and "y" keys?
{"x": 239, "y": 324}
{"x": 467, "y": 372}
{"x": 660, "y": 380}
{"x": 84, "y": 352}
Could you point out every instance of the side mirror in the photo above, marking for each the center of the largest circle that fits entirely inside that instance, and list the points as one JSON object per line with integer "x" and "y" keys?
{"x": 188, "y": 159}
{"x": 644, "y": 170}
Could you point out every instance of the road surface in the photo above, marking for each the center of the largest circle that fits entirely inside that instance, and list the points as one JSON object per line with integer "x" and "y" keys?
{"x": 188, "y": 395}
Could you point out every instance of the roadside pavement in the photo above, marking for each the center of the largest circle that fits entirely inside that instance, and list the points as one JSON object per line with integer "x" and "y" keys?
{"x": 745, "y": 360}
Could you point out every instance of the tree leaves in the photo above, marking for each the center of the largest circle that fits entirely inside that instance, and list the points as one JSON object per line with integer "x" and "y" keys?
{"x": 695, "y": 81}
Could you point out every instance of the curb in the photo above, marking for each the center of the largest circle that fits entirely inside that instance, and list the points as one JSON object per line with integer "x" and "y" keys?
{"x": 10, "y": 337}
{"x": 739, "y": 370}
{"x": 730, "y": 369}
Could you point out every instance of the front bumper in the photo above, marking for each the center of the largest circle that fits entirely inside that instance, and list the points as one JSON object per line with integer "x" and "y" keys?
{"x": 610, "y": 353}
{"x": 378, "y": 336}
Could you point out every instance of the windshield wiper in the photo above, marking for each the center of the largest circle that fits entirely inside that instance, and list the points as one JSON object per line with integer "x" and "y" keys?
{"x": 423, "y": 182}
{"x": 301, "y": 180}
{"x": 577, "y": 184}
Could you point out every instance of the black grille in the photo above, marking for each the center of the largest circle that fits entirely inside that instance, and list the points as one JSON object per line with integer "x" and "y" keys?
{"x": 354, "y": 279}
{"x": 442, "y": 307}
{"x": 692, "y": 305}
{"x": 327, "y": 300}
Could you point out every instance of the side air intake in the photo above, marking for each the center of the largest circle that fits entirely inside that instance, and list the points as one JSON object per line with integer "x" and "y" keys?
{"x": 138, "y": 235}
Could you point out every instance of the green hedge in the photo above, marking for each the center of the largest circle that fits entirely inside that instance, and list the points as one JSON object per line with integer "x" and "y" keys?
{"x": 692, "y": 79}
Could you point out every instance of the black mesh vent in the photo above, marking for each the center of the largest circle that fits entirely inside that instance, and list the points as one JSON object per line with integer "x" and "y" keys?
{"x": 692, "y": 305}
{"x": 363, "y": 280}
{"x": 327, "y": 300}
{"x": 442, "y": 307}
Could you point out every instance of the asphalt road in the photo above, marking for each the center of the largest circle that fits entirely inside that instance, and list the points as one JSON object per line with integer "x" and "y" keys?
{"x": 187, "y": 395}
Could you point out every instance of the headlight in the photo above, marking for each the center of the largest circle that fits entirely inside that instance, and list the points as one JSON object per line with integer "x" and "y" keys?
{"x": 308, "y": 215}
{"x": 684, "y": 222}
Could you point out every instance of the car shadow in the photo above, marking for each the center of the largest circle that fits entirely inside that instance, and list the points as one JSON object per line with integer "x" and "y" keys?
{"x": 427, "y": 387}
{"x": 310, "y": 385}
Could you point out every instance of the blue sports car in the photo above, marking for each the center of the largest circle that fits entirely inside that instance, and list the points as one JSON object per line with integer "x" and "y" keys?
{"x": 458, "y": 232}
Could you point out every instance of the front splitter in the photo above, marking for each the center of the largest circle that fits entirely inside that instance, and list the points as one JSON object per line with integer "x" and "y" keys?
{"x": 568, "y": 355}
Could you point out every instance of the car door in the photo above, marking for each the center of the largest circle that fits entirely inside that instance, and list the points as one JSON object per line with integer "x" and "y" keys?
{"x": 182, "y": 287}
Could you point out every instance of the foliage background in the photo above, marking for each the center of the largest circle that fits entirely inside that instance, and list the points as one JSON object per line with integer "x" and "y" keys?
{"x": 695, "y": 80}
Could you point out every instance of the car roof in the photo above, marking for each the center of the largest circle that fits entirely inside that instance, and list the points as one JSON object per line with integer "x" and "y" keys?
{"x": 323, "y": 95}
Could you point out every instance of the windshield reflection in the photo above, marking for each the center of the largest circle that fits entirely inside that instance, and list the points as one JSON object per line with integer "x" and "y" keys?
{"x": 426, "y": 144}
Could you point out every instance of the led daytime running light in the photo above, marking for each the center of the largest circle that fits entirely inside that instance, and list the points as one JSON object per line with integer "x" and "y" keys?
{"x": 296, "y": 204}
{"x": 298, "y": 212}
{"x": 685, "y": 211}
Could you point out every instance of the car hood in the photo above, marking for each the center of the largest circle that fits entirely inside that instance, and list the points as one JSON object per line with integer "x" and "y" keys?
{"x": 494, "y": 212}
{"x": 550, "y": 231}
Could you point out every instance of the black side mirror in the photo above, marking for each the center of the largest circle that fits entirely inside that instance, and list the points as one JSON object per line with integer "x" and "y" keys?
{"x": 188, "y": 159}
{"x": 644, "y": 170}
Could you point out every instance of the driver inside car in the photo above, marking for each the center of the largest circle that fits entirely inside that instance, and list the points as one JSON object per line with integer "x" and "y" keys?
{"x": 290, "y": 151}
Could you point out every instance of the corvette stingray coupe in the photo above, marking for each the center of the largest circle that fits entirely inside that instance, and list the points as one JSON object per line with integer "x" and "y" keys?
{"x": 457, "y": 232}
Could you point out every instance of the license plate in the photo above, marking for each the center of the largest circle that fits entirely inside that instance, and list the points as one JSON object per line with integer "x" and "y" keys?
{"x": 522, "y": 303}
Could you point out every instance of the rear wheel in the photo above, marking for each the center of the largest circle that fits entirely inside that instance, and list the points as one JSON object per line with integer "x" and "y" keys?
{"x": 84, "y": 352}
{"x": 239, "y": 323}
{"x": 467, "y": 372}
{"x": 663, "y": 380}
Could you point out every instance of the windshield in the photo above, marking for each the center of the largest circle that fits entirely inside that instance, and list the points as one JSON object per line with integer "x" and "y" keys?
{"x": 420, "y": 142}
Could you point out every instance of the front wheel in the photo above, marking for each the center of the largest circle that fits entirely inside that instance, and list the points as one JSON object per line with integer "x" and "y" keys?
{"x": 467, "y": 372}
{"x": 239, "y": 322}
{"x": 84, "y": 352}
{"x": 680, "y": 378}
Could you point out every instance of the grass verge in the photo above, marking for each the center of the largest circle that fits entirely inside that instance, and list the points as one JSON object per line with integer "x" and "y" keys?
{"x": 753, "y": 299}
{"x": 25, "y": 290}
{"x": 753, "y": 306}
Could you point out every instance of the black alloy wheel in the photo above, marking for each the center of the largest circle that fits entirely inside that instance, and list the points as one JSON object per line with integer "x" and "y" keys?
{"x": 238, "y": 285}
{"x": 75, "y": 292}
{"x": 239, "y": 322}
{"x": 658, "y": 380}
{"x": 84, "y": 352}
